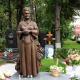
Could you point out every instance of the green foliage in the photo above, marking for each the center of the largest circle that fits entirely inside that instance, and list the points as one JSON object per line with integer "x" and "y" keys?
{"x": 75, "y": 4}
{"x": 45, "y": 14}
{"x": 2, "y": 44}
{"x": 74, "y": 62}
{"x": 62, "y": 53}
{"x": 46, "y": 63}
{"x": 71, "y": 44}
{"x": 2, "y": 62}
{"x": 66, "y": 29}
{"x": 26, "y": 2}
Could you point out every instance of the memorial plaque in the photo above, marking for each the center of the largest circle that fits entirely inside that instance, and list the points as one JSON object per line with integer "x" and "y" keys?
{"x": 49, "y": 51}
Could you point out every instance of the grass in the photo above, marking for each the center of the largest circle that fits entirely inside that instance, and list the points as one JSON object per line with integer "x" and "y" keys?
{"x": 71, "y": 44}
{"x": 46, "y": 63}
{"x": 2, "y": 62}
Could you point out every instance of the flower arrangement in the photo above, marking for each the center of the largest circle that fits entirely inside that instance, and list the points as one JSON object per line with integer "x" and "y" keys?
{"x": 56, "y": 70}
{"x": 2, "y": 77}
{"x": 5, "y": 75}
{"x": 73, "y": 57}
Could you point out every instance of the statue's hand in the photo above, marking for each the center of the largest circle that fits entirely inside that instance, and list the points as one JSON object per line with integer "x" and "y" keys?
{"x": 19, "y": 32}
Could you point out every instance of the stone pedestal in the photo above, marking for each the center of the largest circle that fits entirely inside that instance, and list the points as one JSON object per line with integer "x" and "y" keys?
{"x": 41, "y": 76}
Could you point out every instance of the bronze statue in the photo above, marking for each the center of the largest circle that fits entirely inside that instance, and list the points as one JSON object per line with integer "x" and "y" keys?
{"x": 27, "y": 64}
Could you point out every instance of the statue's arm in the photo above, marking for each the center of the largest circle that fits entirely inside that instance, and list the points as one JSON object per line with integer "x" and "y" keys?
{"x": 35, "y": 30}
{"x": 21, "y": 30}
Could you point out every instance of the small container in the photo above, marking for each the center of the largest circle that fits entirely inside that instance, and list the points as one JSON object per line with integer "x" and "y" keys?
{"x": 55, "y": 73}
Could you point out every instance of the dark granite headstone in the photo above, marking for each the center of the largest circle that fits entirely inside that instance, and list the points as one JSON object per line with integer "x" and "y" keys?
{"x": 11, "y": 38}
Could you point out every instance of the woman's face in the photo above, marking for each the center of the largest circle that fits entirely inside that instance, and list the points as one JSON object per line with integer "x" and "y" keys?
{"x": 26, "y": 14}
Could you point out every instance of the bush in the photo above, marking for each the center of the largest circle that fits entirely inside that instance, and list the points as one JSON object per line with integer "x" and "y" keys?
{"x": 2, "y": 44}
{"x": 62, "y": 53}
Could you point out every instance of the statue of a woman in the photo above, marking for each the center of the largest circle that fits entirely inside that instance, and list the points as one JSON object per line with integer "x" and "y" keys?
{"x": 27, "y": 64}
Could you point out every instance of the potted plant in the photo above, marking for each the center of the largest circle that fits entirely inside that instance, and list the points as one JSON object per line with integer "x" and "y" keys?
{"x": 56, "y": 69}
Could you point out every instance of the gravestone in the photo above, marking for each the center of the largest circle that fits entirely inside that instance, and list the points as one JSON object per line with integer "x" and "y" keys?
{"x": 11, "y": 38}
{"x": 49, "y": 47}
{"x": 41, "y": 37}
{"x": 11, "y": 44}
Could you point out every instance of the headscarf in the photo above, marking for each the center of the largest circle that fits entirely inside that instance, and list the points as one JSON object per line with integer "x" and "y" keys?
{"x": 27, "y": 9}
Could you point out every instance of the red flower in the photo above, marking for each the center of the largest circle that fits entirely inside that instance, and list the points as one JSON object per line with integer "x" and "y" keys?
{"x": 10, "y": 55}
{"x": 1, "y": 55}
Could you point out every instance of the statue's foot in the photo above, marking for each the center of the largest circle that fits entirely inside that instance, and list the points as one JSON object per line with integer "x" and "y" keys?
{"x": 29, "y": 76}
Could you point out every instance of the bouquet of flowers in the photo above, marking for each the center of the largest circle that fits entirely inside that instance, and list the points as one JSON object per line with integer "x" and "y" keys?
{"x": 73, "y": 58}
{"x": 5, "y": 75}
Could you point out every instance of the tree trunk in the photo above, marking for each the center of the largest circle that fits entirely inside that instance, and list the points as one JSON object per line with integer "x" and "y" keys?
{"x": 20, "y": 5}
{"x": 57, "y": 26}
{"x": 33, "y": 9}
{"x": 9, "y": 7}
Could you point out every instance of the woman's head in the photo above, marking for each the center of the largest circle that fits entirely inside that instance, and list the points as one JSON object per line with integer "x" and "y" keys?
{"x": 26, "y": 12}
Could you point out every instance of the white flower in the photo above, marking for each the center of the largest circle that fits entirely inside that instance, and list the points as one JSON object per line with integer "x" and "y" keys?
{"x": 77, "y": 58}
{"x": 54, "y": 67}
{"x": 7, "y": 73}
{"x": 2, "y": 77}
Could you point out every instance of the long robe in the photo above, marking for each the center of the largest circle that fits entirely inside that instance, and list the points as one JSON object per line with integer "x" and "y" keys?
{"x": 27, "y": 63}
